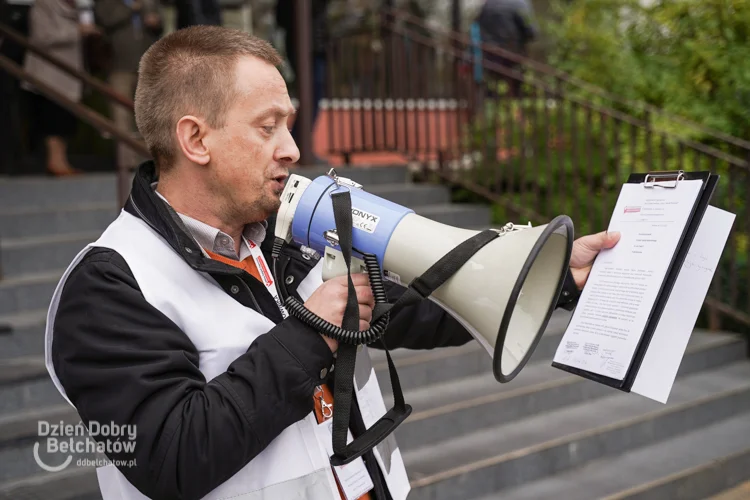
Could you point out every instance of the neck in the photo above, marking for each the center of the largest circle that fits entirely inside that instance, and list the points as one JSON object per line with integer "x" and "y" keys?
{"x": 190, "y": 197}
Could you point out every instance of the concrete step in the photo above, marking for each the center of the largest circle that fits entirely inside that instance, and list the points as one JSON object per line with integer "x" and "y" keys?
{"x": 53, "y": 193}
{"x": 417, "y": 368}
{"x": 365, "y": 175}
{"x": 458, "y": 215}
{"x": 445, "y": 411}
{"x": 25, "y": 385}
{"x": 691, "y": 466}
{"x": 509, "y": 455}
{"x": 20, "y": 433}
{"x": 739, "y": 492}
{"x": 33, "y": 255}
{"x": 28, "y": 292}
{"x": 411, "y": 195}
{"x": 72, "y": 483}
{"x": 26, "y": 336}
{"x": 23, "y": 222}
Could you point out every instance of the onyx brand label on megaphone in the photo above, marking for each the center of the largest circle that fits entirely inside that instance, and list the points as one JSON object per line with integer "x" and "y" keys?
{"x": 364, "y": 220}
{"x": 503, "y": 295}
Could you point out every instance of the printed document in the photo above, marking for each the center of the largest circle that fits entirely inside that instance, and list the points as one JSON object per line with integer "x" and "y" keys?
{"x": 624, "y": 282}
{"x": 667, "y": 347}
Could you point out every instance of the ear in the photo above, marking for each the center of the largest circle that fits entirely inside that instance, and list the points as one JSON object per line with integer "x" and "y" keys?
{"x": 191, "y": 132}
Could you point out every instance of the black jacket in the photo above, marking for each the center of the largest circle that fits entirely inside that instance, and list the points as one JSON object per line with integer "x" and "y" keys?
{"x": 121, "y": 360}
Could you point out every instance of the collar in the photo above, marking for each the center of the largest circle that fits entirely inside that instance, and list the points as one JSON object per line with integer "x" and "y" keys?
{"x": 217, "y": 241}
{"x": 145, "y": 204}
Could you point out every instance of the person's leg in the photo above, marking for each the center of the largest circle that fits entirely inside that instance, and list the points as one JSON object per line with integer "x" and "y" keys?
{"x": 56, "y": 125}
{"x": 124, "y": 83}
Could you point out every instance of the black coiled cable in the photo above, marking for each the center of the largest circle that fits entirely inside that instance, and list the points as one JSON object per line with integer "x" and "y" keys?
{"x": 372, "y": 334}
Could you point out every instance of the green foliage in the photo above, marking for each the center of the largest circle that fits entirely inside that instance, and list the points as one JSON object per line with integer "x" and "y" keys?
{"x": 686, "y": 57}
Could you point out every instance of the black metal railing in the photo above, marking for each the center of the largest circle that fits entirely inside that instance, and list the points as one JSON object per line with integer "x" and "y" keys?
{"x": 525, "y": 137}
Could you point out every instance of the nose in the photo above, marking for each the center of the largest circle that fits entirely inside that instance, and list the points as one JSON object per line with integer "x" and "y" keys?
{"x": 287, "y": 152}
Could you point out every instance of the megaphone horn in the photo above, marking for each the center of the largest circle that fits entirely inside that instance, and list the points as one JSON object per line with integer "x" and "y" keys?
{"x": 504, "y": 294}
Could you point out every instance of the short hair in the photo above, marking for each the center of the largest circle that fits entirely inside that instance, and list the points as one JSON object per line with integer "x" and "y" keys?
{"x": 190, "y": 71}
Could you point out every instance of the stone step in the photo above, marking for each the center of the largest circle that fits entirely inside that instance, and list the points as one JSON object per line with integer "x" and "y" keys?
{"x": 458, "y": 215}
{"x": 20, "y": 433}
{"x": 53, "y": 193}
{"x": 23, "y": 222}
{"x": 365, "y": 175}
{"x": 25, "y": 385}
{"x": 72, "y": 483}
{"x": 417, "y": 368}
{"x": 690, "y": 466}
{"x": 50, "y": 193}
{"x": 39, "y": 254}
{"x": 412, "y": 195}
{"x": 28, "y": 292}
{"x": 509, "y": 455}
{"x": 26, "y": 334}
{"x": 445, "y": 411}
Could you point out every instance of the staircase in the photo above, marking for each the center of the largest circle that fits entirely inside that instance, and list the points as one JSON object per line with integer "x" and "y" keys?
{"x": 44, "y": 223}
{"x": 548, "y": 434}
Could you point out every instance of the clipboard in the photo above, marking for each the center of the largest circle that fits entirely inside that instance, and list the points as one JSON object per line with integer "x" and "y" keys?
{"x": 659, "y": 180}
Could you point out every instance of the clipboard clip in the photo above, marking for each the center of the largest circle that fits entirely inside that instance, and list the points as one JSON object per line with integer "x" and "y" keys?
{"x": 663, "y": 179}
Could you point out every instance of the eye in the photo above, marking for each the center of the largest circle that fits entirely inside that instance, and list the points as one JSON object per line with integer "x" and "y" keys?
{"x": 268, "y": 129}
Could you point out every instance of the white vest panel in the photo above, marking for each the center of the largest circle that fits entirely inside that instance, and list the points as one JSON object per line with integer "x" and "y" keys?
{"x": 294, "y": 465}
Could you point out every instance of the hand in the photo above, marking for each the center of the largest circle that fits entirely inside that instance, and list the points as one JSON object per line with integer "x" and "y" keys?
{"x": 87, "y": 29}
{"x": 329, "y": 302}
{"x": 152, "y": 20}
{"x": 585, "y": 250}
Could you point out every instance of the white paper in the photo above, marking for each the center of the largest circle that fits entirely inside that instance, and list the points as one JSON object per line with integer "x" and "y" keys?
{"x": 624, "y": 282}
{"x": 353, "y": 477}
{"x": 667, "y": 348}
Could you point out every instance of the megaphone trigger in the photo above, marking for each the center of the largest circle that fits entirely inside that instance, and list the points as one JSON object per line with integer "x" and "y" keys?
{"x": 500, "y": 284}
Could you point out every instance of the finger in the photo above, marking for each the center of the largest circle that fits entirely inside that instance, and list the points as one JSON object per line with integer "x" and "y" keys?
{"x": 612, "y": 239}
{"x": 365, "y": 313}
{"x": 363, "y": 325}
{"x": 359, "y": 279}
{"x": 365, "y": 296}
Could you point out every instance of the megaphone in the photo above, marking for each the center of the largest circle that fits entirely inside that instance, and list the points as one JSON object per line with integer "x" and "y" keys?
{"x": 504, "y": 295}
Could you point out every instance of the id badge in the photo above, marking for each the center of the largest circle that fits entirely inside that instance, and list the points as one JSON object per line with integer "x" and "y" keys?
{"x": 353, "y": 477}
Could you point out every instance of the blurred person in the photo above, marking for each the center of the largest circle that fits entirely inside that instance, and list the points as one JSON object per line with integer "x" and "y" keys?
{"x": 197, "y": 12}
{"x": 166, "y": 324}
{"x": 15, "y": 14}
{"x": 131, "y": 27}
{"x": 285, "y": 19}
{"x": 509, "y": 25}
{"x": 55, "y": 27}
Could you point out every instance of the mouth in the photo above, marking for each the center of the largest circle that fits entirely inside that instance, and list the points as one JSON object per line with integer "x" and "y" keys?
{"x": 280, "y": 181}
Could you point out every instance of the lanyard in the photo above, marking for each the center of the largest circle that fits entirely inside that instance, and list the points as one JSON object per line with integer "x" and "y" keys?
{"x": 265, "y": 275}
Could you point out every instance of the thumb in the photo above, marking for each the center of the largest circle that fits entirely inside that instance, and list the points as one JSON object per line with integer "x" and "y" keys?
{"x": 611, "y": 239}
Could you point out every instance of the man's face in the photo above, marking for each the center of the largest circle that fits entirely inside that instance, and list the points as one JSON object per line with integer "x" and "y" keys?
{"x": 251, "y": 154}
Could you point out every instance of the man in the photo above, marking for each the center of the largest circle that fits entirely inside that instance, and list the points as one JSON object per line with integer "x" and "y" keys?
{"x": 510, "y": 25}
{"x": 131, "y": 27}
{"x": 161, "y": 323}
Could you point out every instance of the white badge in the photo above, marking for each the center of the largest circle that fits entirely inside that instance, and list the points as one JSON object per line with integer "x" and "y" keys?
{"x": 353, "y": 477}
{"x": 266, "y": 276}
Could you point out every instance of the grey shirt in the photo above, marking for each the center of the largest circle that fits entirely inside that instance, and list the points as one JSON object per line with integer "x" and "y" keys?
{"x": 219, "y": 242}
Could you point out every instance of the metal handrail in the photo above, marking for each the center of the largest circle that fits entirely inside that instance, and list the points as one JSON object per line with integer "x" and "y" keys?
{"x": 87, "y": 115}
{"x": 553, "y": 91}
{"x": 89, "y": 80}
{"x": 567, "y": 78}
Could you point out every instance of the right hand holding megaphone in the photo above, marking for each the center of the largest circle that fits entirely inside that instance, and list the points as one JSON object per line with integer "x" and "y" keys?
{"x": 329, "y": 302}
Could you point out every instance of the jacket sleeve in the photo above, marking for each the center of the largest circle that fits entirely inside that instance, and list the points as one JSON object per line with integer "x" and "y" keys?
{"x": 121, "y": 360}
{"x": 49, "y": 29}
{"x": 111, "y": 14}
{"x": 426, "y": 325}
